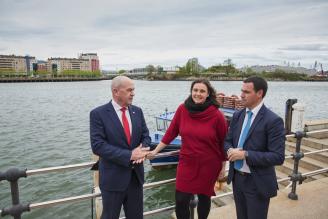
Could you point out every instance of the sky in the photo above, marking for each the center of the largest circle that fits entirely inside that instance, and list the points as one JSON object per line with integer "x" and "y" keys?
{"x": 134, "y": 33}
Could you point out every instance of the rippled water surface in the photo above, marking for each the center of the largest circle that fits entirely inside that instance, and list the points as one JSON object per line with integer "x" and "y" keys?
{"x": 47, "y": 124}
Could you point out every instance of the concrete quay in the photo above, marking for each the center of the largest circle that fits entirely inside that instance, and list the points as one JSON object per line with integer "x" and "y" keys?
{"x": 311, "y": 204}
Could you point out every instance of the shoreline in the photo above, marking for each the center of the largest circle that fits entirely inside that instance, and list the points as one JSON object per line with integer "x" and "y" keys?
{"x": 20, "y": 80}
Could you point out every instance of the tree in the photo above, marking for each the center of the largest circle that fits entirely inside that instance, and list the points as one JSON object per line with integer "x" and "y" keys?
{"x": 159, "y": 69}
{"x": 121, "y": 71}
{"x": 192, "y": 66}
{"x": 150, "y": 69}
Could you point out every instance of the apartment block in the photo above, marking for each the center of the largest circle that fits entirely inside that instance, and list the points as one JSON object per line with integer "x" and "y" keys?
{"x": 93, "y": 58}
{"x": 61, "y": 64}
{"x": 14, "y": 63}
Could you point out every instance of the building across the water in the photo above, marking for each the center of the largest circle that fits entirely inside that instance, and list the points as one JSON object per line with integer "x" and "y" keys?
{"x": 25, "y": 64}
{"x": 19, "y": 64}
{"x": 60, "y": 65}
{"x": 93, "y": 58}
{"x": 85, "y": 62}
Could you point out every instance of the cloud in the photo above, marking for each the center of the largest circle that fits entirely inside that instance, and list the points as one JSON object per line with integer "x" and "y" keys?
{"x": 307, "y": 47}
{"x": 128, "y": 33}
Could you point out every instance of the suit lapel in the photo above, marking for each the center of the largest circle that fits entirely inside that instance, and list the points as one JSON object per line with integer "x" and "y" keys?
{"x": 116, "y": 121}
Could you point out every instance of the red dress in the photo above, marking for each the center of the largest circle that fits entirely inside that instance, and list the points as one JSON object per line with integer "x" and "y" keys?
{"x": 201, "y": 154}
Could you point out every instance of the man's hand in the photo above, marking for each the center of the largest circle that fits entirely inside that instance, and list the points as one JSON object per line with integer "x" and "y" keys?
{"x": 138, "y": 154}
{"x": 236, "y": 154}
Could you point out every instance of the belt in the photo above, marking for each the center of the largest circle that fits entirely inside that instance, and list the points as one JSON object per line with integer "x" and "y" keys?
{"x": 241, "y": 173}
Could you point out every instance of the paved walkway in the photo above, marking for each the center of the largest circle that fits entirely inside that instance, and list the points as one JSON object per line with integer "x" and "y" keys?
{"x": 312, "y": 203}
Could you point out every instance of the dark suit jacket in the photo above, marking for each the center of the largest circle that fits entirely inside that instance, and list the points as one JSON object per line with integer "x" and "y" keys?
{"x": 265, "y": 144}
{"x": 108, "y": 141}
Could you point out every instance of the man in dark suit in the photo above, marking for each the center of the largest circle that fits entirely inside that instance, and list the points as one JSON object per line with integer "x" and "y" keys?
{"x": 255, "y": 143}
{"x": 118, "y": 133}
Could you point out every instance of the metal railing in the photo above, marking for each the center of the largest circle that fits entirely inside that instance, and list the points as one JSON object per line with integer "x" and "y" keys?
{"x": 17, "y": 209}
{"x": 14, "y": 174}
{"x": 160, "y": 210}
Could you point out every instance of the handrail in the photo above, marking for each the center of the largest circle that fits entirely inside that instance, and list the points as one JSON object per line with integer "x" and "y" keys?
{"x": 159, "y": 183}
{"x": 307, "y": 133}
{"x": 84, "y": 165}
{"x": 315, "y": 172}
{"x": 64, "y": 200}
{"x": 59, "y": 168}
{"x": 89, "y": 164}
{"x": 307, "y": 153}
{"x": 89, "y": 196}
{"x": 146, "y": 186}
{"x": 166, "y": 154}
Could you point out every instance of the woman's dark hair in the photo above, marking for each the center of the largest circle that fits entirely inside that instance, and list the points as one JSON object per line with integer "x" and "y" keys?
{"x": 259, "y": 84}
{"x": 211, "y": 90}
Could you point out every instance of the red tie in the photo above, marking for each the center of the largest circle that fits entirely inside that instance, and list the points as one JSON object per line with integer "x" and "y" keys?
{"x": 126, "y": 125}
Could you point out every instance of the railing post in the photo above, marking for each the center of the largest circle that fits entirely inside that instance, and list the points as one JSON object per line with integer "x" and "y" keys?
{"x": 192, "y": 205}
{"x": 297, "y": 156}
{"x": 12, "y": 175}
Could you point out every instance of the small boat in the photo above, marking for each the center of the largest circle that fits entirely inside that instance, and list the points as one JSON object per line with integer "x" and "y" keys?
{"x": 162, "y": 123}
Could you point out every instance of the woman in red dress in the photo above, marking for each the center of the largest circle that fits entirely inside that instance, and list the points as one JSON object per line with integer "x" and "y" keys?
{"x": 202, "y": 128}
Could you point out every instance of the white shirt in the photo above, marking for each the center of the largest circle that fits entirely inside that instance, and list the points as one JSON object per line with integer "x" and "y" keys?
{"x": 255, "y": 111}
{"x": 119, "y": 113}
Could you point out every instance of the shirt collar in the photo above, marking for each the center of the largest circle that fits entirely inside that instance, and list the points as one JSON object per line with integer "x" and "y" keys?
{"x": 116, "y": 106}
{"x": 256, "y": 109}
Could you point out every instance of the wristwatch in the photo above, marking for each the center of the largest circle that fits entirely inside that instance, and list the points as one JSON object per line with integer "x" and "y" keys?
{"x": 246, "y": 154}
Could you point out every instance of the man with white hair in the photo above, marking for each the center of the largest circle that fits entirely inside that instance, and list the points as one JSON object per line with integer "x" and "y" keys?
{"x": 118, "y": 133}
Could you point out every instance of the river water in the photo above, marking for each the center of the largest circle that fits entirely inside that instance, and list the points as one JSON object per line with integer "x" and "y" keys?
{"x": 47, "y": 124}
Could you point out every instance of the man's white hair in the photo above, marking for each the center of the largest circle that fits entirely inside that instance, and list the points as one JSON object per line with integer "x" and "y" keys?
{"x": 118, "y": 81}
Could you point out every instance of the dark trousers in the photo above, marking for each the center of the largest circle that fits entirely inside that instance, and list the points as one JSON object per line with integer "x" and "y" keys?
{"x": 131, "y": 199}
{"x": 249, "y": 204}
{"x": 182, "y": 201}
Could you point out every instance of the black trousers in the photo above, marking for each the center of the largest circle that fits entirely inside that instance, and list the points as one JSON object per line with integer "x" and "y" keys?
{"x": 249, "y": 204}
{"x": 182, "y": 201}
{"x": 131, "y": 199}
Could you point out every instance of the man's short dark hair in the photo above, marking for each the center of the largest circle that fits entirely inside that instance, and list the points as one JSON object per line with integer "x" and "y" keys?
{"x": 259, "y": 84}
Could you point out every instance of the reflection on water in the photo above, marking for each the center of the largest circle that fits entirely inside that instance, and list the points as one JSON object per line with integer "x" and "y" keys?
{"x": 47, "y": 124}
